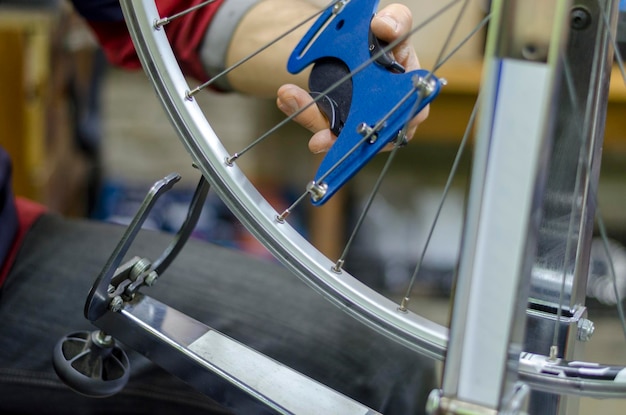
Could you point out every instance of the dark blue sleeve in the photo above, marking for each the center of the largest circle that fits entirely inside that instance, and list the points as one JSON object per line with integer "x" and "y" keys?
{"x": 8, "y": 213}
{"x": 99, "y": 10}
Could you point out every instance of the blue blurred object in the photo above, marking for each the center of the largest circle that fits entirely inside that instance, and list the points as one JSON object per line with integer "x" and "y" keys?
{"x": 118, "y": 203}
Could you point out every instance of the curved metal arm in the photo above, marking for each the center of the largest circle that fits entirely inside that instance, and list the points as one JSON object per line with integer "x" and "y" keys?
{"x": 99, "y": 296}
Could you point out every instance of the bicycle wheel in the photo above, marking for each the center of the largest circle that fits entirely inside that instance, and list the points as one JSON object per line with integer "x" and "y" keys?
{"x": 328, "y": 276}
{"x": 249, "y": 205}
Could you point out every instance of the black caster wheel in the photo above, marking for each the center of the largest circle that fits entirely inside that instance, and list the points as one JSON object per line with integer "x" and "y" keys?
{"x": 91, "y": 363}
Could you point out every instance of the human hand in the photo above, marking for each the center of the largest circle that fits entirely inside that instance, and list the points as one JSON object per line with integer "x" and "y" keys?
{"x": 389, "y": 24}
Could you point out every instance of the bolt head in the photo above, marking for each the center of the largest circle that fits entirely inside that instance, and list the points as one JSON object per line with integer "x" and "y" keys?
{"x": 151, "y": 278}
{"x": 116, "y": 304}
{"x": 580, "y": 18}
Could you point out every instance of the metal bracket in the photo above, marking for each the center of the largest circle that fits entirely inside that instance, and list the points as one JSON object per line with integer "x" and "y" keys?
{"x": 116, "y": 284}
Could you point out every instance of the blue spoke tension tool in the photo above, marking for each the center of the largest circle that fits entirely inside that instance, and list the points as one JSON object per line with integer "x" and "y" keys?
{"x": 366, "y": 95}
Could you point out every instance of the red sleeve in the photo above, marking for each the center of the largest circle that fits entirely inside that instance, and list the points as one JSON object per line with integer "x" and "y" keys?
{"x": 27, "y": 213}
{"x": 185, "y": 35}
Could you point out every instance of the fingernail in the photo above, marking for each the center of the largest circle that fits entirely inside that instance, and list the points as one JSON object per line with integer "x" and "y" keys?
{"x": 289, "y": 105}
{"x": 321, "y": 150}
{"x": 389, "y": 21}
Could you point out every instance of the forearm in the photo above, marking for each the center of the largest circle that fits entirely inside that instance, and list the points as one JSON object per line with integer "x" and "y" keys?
{"x": 264, "y": 22}
{"x": 234, "y": 29}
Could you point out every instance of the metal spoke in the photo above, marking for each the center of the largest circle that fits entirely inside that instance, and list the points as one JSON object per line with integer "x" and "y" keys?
{"x": 605, "y": 243}
{"x": 287, "y": 211}
{"x": 553, "y": 352}
{"x": 583, "y": 167}
{"x": 281, "y": 218}
{"x": 446, "y": 190}
{"x": 450, "y": 34}
{"x": 343, "y": 79}
{"x": 458, "y": 47}
{"x": 439, "y": 62}
{"x": 397, "y": 145}
{"x": 600, "y": 221}
{"x": 256, "y": 212}
{"x": 374, "y": 130}
{"x": 166, "y": 20}
{"x": 245, "y": 59}
{"x": 362, "y": 141}
{"x": 618, "y": 54}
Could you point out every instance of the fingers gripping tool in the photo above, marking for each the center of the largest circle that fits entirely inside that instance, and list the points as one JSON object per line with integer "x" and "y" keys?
{"x": 370, "y": 109}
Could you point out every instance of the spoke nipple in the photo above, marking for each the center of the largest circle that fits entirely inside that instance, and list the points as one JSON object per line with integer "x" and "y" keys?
{"x": 159, "y": 23}
{"x": 189, "y": 95}
{"x": 403, "y": 305}
{"x": 229, "y": 160}
{"x": 554, "y": 353}
{"x": 338, "y": 267}
{"x": 443, "y": 81}
{"x": 281, "y": 218}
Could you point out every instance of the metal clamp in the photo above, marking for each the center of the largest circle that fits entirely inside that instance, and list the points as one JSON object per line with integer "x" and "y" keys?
{"x": 116, "y": 284}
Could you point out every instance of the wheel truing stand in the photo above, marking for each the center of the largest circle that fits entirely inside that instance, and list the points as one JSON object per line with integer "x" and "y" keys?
{"x": 535, "y": 248}
{"x": 199, "y": 355}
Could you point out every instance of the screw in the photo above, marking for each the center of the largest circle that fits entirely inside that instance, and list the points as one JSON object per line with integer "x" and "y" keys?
{"x": 581, "y": 19}
{"x": 367, "y": 131}
{"x": 316, "y": 190}
{"x": 116, "y": 304}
